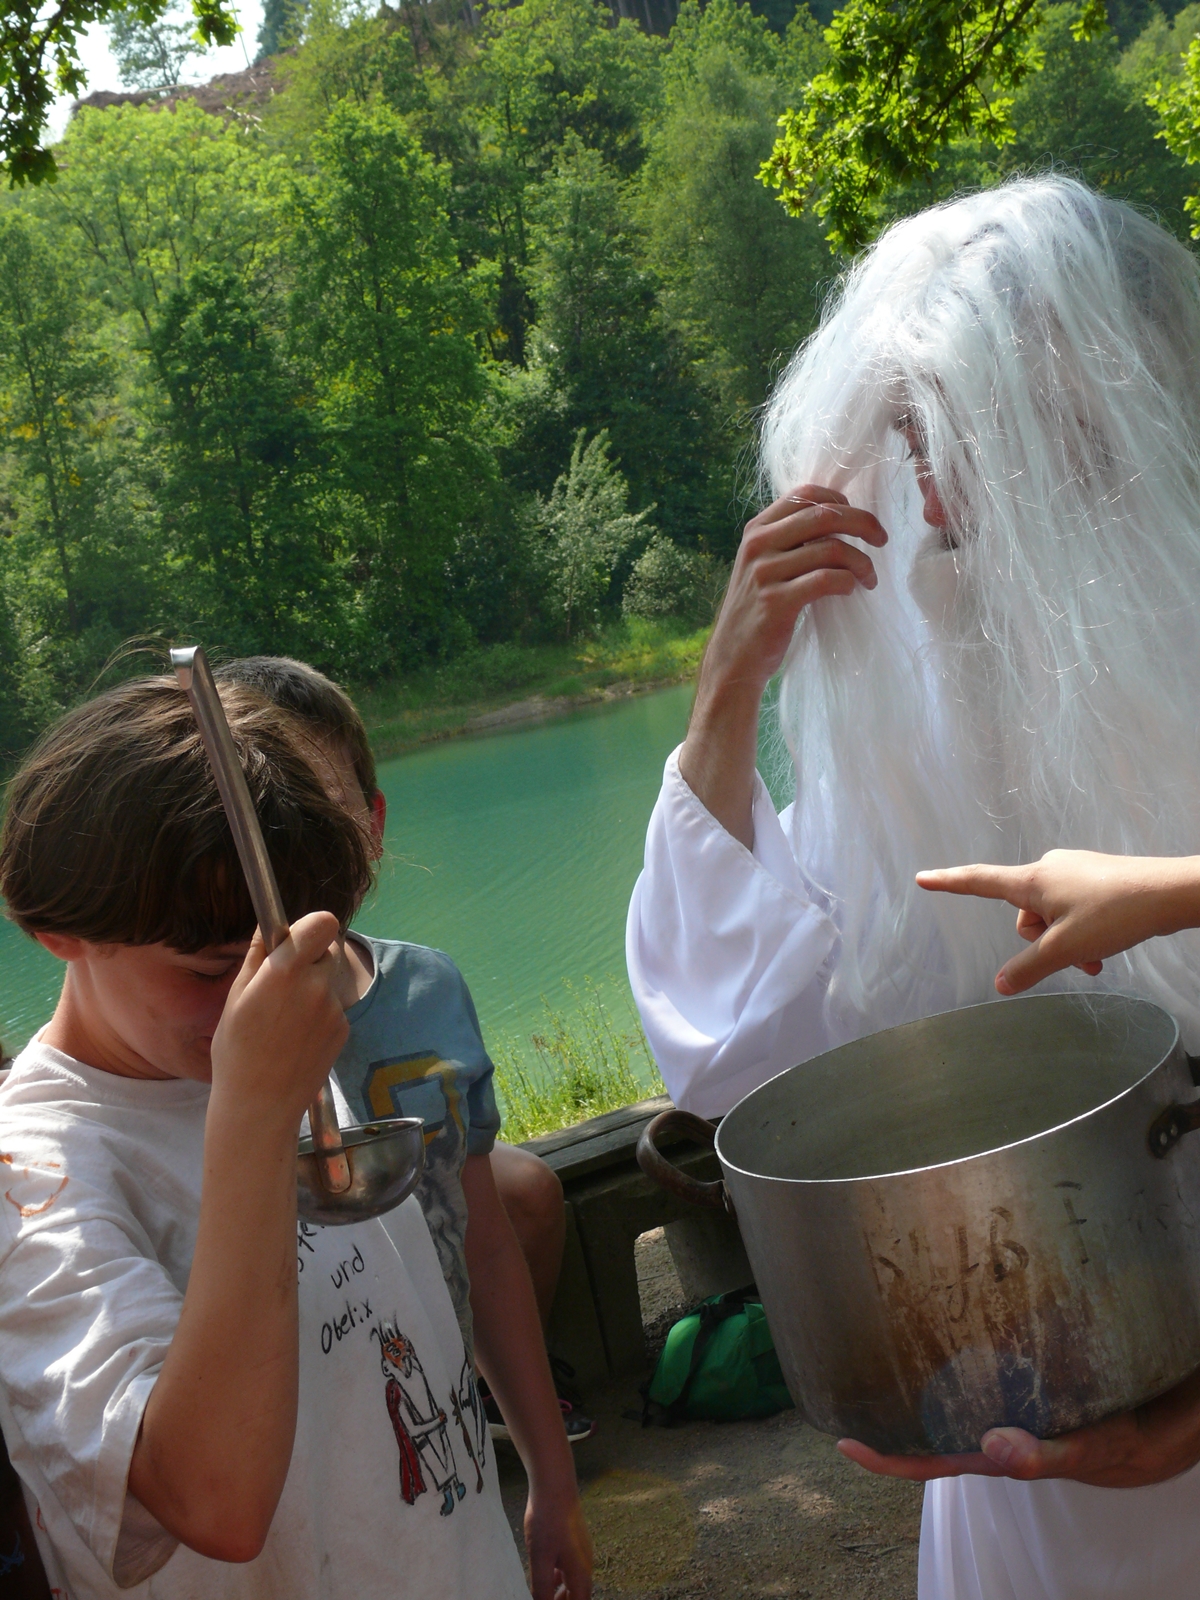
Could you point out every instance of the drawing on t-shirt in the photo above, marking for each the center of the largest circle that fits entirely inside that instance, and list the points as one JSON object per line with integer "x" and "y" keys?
{"x": 419, "y": 1085}
{"x": 31, "y": 1175}
{"x": 420, "y": 1425}
{"x": 470, "y": 1416}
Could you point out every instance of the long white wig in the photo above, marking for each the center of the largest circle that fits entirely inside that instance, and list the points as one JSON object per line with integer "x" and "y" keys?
{"x": 1031, "y": 680}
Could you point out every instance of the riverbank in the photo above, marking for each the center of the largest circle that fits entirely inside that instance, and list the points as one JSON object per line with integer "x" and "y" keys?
{"x": 509, "y": 685}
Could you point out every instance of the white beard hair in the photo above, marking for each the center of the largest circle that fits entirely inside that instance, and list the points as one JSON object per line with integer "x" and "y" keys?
{"x": 1038, "y": 686}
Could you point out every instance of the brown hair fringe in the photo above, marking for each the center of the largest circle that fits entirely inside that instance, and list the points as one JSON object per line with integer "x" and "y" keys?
{"x": 315, "y": 699}
{"x": 114, "y": 830}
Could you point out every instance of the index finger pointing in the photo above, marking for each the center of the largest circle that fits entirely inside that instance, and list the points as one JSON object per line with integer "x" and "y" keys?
{"x": 988, "y": 882}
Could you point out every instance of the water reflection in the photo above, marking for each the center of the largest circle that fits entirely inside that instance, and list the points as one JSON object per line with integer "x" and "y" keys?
{"x": 516, "y": 853}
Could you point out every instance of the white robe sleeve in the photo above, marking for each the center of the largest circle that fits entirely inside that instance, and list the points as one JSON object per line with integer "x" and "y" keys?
{"x": 725, "y": 947}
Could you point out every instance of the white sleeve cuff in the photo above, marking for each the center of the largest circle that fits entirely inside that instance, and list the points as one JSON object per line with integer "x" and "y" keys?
{"x": 721, "y": 941}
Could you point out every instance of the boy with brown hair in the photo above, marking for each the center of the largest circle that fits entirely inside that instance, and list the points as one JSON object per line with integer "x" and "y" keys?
{"x": 200, "y": 1403}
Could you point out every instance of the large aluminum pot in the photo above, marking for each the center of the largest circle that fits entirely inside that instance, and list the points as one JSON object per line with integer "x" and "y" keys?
{"x": 988, "y": 1217}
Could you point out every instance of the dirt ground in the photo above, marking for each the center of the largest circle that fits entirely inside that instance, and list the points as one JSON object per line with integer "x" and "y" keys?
{"x": 763, "y": 1510}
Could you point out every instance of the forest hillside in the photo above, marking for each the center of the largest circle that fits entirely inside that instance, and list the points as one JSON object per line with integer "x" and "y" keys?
{"x": 449, "y": 337}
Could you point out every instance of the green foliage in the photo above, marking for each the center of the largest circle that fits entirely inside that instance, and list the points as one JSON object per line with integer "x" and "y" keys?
{"x": 729, "y": 260}
{"x": 238, "y": 461}
{"x": 611, "y": 359}
{"x": 1157, "y": 51}
{"x": 402, "y": 713}
{"x": 1177, "y": 102}
{"x": 669, "y": 581}
{"x": 1133, "y": 19}
{"x": 547, "y": 74}
{"x": 281, "y": 24}
{"x": 71, "y": 564}
{"x": 583, "y": 1065}
{"x": 39, "y": 59}
{"x": 1087, "y": 112}
{"x": 586, "y": 529}
{"x": 150, "y": 195}
{"x": 324, "y": 380}
{"x": 903, "y": 80}
{"x": 150, "y": 55}
{"x": 553, "y": 68}
{"x": 386, "y": 324}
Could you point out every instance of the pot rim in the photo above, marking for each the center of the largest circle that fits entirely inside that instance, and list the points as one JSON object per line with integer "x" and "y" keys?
{"x": 980, "y": 1155}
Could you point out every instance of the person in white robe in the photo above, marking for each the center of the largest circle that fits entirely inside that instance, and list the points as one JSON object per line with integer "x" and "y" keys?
{"x": 979, "y": 584}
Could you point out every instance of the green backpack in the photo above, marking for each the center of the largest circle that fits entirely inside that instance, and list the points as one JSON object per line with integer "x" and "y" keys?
{"x": 718, "y": 1363}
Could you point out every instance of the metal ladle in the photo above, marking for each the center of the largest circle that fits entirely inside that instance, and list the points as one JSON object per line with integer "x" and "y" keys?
{"x": 344, "y": 1175}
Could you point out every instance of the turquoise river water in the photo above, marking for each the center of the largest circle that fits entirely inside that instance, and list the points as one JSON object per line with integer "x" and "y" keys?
{"x": 516, "y": 853}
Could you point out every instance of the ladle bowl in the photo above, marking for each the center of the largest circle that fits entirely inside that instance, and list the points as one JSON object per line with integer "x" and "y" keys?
{"x": 386, "y": 1159}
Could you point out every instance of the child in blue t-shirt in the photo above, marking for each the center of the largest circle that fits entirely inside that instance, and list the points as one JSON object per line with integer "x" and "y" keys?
{"x": 415, "y": 1049}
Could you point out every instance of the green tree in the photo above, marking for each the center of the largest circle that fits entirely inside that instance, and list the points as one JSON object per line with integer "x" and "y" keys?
{"x": 387, "y": 323}
{"x": 608, "y": 358}
{"x": 175, "y": 210}
{"x": 1175, "y": 98}
{"x": 549, "y": 68}
{"x": 237, "y": 458}
{"x": 544, "y": 72}
{"x": 738, "y": 275}
{"x": 154, "y": 193}
{"x": 669, "y": 581}
{"x": 1132, "y": 19}
{"x": 72, "y": 562}
{"x": 1085, "y": 109}
{"x": 904, "y": 78}
{"x": 586, "y": 529}
{"x": 282, "y": 21}
{"x": 1081, "y": 110}
{"x": 1157, "y": 53}
{"x": 150, "y": 55}
{"x": 39, "y": 59}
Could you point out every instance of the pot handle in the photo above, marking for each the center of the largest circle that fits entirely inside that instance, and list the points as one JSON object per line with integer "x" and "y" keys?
{"x": 1170, "y": 1126}
{"x": 668, "y": 1176}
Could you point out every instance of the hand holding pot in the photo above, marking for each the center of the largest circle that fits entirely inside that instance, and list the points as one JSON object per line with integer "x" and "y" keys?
{"x": 1155, "y": 1442}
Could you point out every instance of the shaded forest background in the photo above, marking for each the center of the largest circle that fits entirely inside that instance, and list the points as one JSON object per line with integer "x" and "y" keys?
{"x": 451, "y": 343}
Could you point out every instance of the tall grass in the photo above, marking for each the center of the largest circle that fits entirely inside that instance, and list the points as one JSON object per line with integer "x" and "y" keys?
{"x": 439, "y": 701}
{"x": 583, "y": 1064}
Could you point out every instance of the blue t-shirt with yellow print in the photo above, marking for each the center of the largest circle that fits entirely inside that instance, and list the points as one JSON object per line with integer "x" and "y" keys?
{"x": 415, "y": 1050}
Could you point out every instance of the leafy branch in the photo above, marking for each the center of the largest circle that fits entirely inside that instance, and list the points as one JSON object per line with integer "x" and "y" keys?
{"x": 904, "y": 78}
{"x": 39, "y": 60}
{"x": 1178, "y": 105}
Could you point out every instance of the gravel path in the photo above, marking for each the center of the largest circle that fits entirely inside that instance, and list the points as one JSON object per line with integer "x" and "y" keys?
{"x": 766, "y": 1510}
{"x": 761, "y": 1510}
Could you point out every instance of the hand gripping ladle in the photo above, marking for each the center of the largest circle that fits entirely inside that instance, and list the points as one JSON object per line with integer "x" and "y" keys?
{"x": 344, "y": 1174}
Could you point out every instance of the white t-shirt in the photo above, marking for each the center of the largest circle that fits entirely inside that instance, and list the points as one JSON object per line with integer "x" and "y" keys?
{"x": 729, "y": 951}
{"x": 391, "y": 1491}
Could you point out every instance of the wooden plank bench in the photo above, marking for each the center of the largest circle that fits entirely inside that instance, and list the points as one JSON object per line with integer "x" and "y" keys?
{"x": 596, "y": 1323}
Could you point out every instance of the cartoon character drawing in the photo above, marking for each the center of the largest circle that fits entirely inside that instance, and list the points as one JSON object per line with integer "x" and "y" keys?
{"x": 469, "y": 1414}
{"x": 420, "y": 1424}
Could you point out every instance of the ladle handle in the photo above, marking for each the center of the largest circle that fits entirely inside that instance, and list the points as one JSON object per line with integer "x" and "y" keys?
{"x": 666, "y": 1174}
{"x": 196, "y": 679}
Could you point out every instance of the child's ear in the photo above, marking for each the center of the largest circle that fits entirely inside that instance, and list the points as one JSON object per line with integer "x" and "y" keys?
{"x": 378, "y": 819}
{"x": 63, "y": 945}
